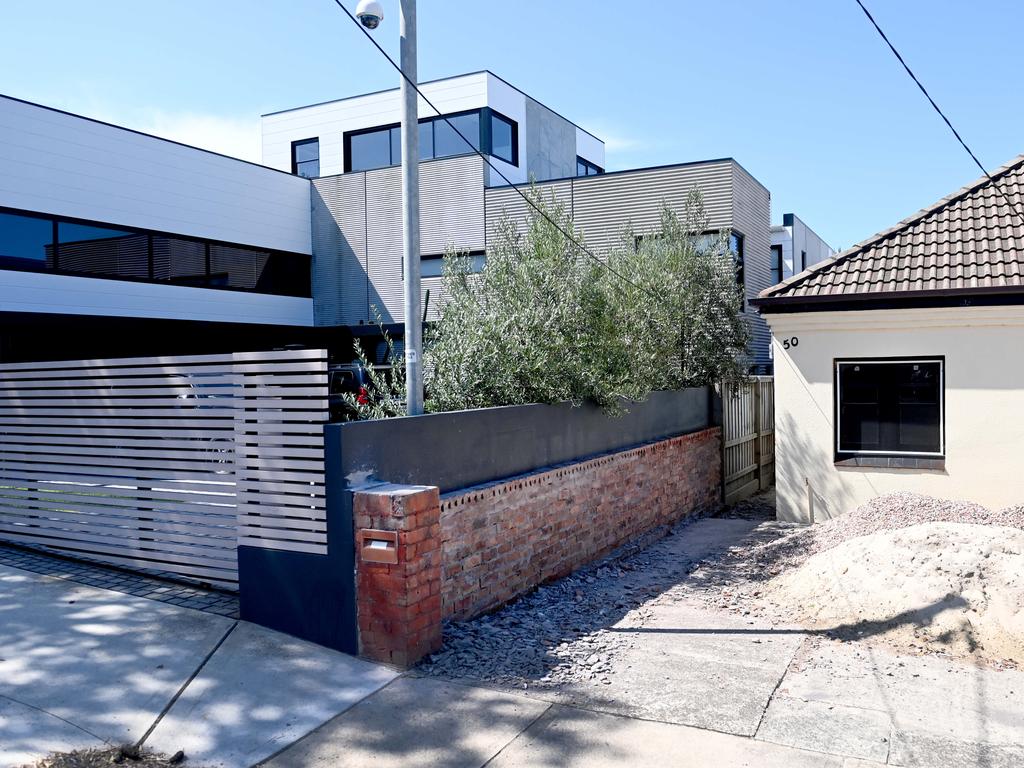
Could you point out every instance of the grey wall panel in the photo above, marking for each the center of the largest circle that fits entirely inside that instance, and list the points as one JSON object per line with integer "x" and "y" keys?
{"x": 384, "y": 242}
{"x": 550, "y": 143}
{"x": 605, "y": 205}
{"x": 752, "y": 218}
{"x": 340, "y": 287}
{"x": 452, "y": 205}
{"x": 464, "y": 448}
{"x": 357, "y": 223}
{"x": 506, "y": 201}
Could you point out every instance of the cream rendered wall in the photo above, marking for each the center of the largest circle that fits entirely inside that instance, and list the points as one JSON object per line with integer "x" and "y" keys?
{"x": 984, "y": 404}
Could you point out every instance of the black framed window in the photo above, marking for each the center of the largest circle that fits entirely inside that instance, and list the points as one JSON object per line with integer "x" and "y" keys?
{"x": 26, "y": 243}
{"x": 448, "y": 143}
{"x": 504, "y": 138}
{"x": 37, "y": 242}
{"x": 485, "y": 130}
{"x": 92, "y": 250}
{"x": 367, "y": 150}
{"x": 777, "y": 272}
{"x": 306, "y": 158}
{"x": 586, "y": 168}
{"x": 890, "y": 407}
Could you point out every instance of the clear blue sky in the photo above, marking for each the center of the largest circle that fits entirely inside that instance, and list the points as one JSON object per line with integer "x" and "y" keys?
{"x": 801, "y": 92}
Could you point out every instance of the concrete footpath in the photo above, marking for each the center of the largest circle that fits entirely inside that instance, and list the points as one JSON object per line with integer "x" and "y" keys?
{"x": 82, "y": 666}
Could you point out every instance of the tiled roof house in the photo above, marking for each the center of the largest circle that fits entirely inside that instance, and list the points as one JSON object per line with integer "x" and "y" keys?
{"x": 899, "y": 363}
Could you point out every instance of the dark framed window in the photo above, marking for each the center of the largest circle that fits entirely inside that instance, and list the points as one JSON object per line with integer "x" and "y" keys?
{"x": 448, "y": 143}
{"x": 485, "y": 130}
{"x": 504, "y": 138}
{"x": 432, "y": 265}
{"x": 306, "y": 158}
{"x": 586, "y": 168}
{"x": 736, "y": 247}
{"x": 37, "y": 242}
{"x": 803, "y": 260}
{"x": 26, "y": 243}
{"x": 890, "y": 407}
{"x": 777, "y": 271}
{"x": 366, "y": 150}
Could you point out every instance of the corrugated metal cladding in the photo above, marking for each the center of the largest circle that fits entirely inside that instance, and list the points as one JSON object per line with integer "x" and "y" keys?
{"x": 339, "y": 249}
{"x": 357, "y": 235}
{"x": 602, "y": 206}
{"x": 752, "y": 219}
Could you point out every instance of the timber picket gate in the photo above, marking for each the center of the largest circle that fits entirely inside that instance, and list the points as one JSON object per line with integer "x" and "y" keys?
{"x": 748, "y": 437}
{"x": 166, "y": 463}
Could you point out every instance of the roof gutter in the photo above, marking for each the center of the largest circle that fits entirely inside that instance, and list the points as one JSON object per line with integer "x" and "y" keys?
{"x": 991, "y": 295}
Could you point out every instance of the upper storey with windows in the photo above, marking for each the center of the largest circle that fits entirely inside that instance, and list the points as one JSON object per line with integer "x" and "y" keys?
{"x": 521, "y": 137}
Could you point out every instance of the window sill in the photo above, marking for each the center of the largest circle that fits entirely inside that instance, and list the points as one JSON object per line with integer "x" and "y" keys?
{"x": 893, "y": 462}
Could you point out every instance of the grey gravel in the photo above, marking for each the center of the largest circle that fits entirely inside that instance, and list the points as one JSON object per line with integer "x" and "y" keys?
{"x": 559, "y": 634}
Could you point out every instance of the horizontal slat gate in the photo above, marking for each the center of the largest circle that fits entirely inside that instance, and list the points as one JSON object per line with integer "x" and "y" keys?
{"x": 165, "y": 464}
{"x": 748, "y": 437}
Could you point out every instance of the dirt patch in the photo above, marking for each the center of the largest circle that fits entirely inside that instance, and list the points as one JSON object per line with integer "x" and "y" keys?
{"x": 921, "y": 574}
{"x": 957, "y": 588}
{"x": 108, "y": 757}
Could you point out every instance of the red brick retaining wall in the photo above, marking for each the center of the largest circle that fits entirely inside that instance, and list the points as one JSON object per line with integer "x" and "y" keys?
{"x": 399, "y": 604}
{"x": 475, "y": 550}
{"x": 502, "y": 540}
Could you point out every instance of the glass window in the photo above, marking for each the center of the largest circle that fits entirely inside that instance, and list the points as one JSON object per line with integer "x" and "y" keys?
{"x": 26, "y": 243}
{"x": 433, "y": 265}
{"x": 447, "y": 142}
{"x": 586, "y": 168}
{"x": 182, "y": 262}
{"x": 367, "y": 151}
{"x": 306, "y": 158}
{"x": 427, "y": 140}
{"x": 777, "y": 273}
{"x": 503, "y": 137}
{"x": 396, "y": 146}
{"x": 101, "y": 250}
{"x": 889, "y": 407}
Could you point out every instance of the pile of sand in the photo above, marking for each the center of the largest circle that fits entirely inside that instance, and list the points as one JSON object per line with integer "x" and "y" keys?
{"x": 954, "y": 587}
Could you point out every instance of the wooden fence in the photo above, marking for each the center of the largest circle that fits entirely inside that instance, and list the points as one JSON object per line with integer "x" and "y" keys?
{"x": 167, "y": 463}
{"x": 748, "y": 437}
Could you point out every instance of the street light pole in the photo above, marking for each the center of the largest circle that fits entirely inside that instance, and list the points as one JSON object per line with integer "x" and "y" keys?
{"x": 411, "y": 212}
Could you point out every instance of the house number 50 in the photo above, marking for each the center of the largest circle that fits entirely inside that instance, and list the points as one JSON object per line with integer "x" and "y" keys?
{"x": 791, "y": 342}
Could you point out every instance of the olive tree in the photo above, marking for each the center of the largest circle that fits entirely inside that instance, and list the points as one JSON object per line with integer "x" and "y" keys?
{"x": 545, "y": 321}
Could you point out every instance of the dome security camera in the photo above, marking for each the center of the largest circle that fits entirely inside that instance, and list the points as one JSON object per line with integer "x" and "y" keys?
{"x": 370, "y": 13}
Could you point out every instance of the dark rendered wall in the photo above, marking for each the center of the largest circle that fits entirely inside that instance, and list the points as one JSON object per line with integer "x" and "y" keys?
{"x": 465, "y": 448}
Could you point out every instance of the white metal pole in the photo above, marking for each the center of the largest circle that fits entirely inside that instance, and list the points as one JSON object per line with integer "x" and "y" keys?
{"x": 411, "y": 212}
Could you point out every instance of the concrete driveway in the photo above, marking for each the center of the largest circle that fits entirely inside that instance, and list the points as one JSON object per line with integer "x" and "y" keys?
{"x": 82, "y": 666}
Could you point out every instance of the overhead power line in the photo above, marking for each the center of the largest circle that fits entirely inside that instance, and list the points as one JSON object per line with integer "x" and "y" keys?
{"x": 568, "y": 235}
{"x": 977, "y": 162}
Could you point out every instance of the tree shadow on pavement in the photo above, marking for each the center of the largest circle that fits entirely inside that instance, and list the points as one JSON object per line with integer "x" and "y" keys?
{"x": 421, "y": 721}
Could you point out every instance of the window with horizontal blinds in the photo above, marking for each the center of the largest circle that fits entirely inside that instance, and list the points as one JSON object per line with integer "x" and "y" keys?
{"x": 34, "y": 242}
{"x": 889, "y": 407}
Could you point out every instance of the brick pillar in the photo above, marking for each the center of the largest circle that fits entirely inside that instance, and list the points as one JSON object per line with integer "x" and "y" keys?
{"x": 398, "y": 572}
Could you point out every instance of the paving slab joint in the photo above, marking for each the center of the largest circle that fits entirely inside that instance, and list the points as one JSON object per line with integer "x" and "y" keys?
{"x": 186, "y": 684}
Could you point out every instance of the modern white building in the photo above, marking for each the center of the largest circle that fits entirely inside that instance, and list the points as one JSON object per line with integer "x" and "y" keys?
{"x": 106, "y": 233}
{"x": 523, "y": 138}
{"x": 114, "y": 242}
{"x": 795, "y": 247}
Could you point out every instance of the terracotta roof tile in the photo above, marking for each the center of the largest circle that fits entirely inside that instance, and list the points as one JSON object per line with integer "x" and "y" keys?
{"x": 970, "y": 239}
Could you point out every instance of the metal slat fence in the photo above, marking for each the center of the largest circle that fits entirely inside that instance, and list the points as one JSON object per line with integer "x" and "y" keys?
{"x": 748, "y": 437}
{"x": 165, "y": 464}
